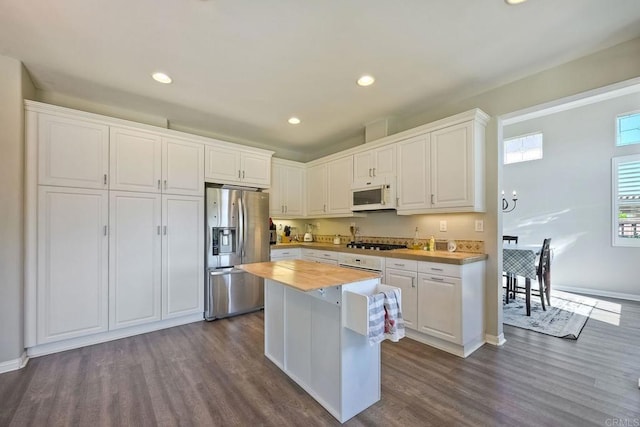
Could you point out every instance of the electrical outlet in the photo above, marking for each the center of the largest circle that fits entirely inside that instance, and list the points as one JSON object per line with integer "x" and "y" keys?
{"x": 443, "y": 225}
{"x": 479, "y": 225}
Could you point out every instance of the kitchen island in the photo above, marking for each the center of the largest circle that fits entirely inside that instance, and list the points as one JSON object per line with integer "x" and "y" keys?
{"x": 316, "y": 327}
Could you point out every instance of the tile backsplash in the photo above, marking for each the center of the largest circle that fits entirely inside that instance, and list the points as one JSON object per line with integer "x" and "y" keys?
{"x": 469, "y": 246}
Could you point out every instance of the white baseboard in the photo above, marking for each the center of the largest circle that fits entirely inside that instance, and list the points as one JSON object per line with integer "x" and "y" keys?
{"x": 495, "y": 340}
{"x": 15, "y": 364}
{"x": 55, "y": 347}
{"x": 597, "y": 292}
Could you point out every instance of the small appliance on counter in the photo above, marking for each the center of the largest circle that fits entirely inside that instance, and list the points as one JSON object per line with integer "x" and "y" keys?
{"x": 308, "y": 237}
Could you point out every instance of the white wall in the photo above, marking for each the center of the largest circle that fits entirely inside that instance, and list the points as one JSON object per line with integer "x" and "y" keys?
{"x": 14, "y": 85}
{"x": 567, "y": 196}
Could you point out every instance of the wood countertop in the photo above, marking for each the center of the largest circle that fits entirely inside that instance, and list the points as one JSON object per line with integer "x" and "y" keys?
{"x": 306, "y": 275}
{"x": 443, "y": 257}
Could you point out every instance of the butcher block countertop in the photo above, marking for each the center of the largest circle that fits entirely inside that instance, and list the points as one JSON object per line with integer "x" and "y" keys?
{"x": 306, "y": 275}
{"x": 443, "y": 257}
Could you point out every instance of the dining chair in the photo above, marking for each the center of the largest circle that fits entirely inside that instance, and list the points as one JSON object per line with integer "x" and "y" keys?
{"x": 511, "y": 278}
{"x": 543, "y": 274}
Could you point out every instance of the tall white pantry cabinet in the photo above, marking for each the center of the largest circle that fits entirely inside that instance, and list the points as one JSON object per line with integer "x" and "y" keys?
{"x": 115, "y": 217}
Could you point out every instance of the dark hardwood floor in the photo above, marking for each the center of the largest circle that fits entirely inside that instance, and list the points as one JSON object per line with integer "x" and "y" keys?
{"x": 215, "y": 374}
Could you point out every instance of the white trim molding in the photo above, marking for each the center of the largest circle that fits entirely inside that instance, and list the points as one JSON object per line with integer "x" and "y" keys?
{"x": 498, "y": 340}
{"x": 598, "y": 293}
{"x": 15, "y": 364}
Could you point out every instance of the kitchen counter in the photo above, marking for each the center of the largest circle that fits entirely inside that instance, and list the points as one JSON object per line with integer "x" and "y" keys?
{"x": 443, "y": 257}
{"x": 306, "y": 275}
{"x": 316, "y": 321}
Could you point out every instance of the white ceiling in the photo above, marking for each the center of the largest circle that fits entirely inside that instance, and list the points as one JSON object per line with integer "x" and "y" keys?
{"x": 241, "y": 68}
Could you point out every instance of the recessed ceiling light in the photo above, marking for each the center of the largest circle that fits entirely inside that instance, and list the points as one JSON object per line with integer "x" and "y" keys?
{"x": 161, "y": 77}
{"x": 366, "y": 80}
{"x": 513, "y": 2}
{"x": 294, "y": 121}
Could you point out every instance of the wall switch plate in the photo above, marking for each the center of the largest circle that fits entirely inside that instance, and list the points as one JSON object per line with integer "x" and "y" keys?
{"x": 443, "y": 225}
{"x": 479, "y": 225}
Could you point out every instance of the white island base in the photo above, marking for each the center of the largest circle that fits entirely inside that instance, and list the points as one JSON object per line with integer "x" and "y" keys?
{"x": 305, "y": 337}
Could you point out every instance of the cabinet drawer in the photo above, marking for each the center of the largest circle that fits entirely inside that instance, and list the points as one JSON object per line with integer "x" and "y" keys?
{"x": 316, "y": 253}
{"x": 277, "y": 254}
{"x": 402, "y": 264}
{"x": 440, "y": 269}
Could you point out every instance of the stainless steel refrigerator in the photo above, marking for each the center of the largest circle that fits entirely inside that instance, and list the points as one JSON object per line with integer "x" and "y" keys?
{"x": 237, "y": 233}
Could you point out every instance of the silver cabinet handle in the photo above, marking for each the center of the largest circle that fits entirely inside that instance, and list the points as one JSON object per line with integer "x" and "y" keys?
{"x": 238, "y": 173}
{"x": 158, "y": 184}
{"x": 105, "y": 179}
{"x": 374, "y": 171}
{"x": 242, "y": 174}
{"x": 158, "y": 230}
{"x": 399, "y": 265}
{"x": 324, "y": 208}
{"x": 105, "y": 230}
{"x": 397, "y": 201}
{"x": 432, "y": 199}
{"x": 165, "y": 184}
{"x": 369, "y": 171}
{"x": 436, "y": 269}
{"x": 413, "y": 285}
{"x": 165, "y": 230}
{"x": 437, "y": 279}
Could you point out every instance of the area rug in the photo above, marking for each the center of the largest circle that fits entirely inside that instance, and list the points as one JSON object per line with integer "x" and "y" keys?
{"x": 564, "y": 319}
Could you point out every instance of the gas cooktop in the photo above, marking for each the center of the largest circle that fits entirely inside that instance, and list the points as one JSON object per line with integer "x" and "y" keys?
{"x": 374, "y": 246}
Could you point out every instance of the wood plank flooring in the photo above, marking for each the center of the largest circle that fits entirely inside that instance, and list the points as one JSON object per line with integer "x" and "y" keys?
{"x": 215, "y": 374}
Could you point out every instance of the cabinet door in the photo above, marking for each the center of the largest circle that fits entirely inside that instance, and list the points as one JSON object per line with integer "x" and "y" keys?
{"x": 182, "y": 167}
{"x": 72, "y": 263}
{"x": 256, "y": 170}
{"x": 407, "y": 281}
{"x": 136, "y": 160}
{"x": 452, "y": 166}
{"x": 339, "y": 176}
{"x": 134, "y": 258}
{"x": 317, "y": 190}
{"x": 385, "y": 161}
{"x": 363, "y": 164}
{"x": 413, "y": 173}
{"x": 293, "y": 187}
{"x": 72, "y": 153}
{"x": 182, "y": 255}
{"x": 277, "y": 190}
{"x": 439, "y": 307}
{"x": 222, "y": 165}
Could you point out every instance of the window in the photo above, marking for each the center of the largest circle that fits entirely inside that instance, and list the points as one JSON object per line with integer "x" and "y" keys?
{"x": 626, "y": 200}
{"x": 523, "y": 148}
{"x": 628, "y": 129}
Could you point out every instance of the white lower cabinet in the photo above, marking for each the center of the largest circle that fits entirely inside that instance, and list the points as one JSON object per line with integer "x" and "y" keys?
{"x": 182, "y": 255}
{"x": 407, "y": 281}
{"x": 282, "y": 254}
{"x": 439, "y": 307}
{"x": 73, "y": 258}
{"x": 135, "y": 258}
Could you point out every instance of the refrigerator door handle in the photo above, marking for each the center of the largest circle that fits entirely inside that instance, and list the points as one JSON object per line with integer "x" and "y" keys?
{"x": 240, "y": 227}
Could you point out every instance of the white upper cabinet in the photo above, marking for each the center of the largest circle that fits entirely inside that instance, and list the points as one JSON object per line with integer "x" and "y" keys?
{"x": 339, "y": 176}
{"x": 329, "y": 188}
{"x": 453, "y": 153}
{"x": 414, "y": 188}
{"x": 225, "y": 165}
{"x": 443, "y": 170}
{"x": 286, "y": 195}
{"x": 378, "y": 162}
{"x": 317, "y": 190}
{"x": 72, "y": 152}
{"x": 136, "y": 160}
{"x": 182, "y": 167}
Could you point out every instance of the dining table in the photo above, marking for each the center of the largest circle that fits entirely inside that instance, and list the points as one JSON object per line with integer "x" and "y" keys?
{"x": 520, "y": 260}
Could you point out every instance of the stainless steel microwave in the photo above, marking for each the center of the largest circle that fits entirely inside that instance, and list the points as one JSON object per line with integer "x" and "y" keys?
{"x": 374, "y": 195}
